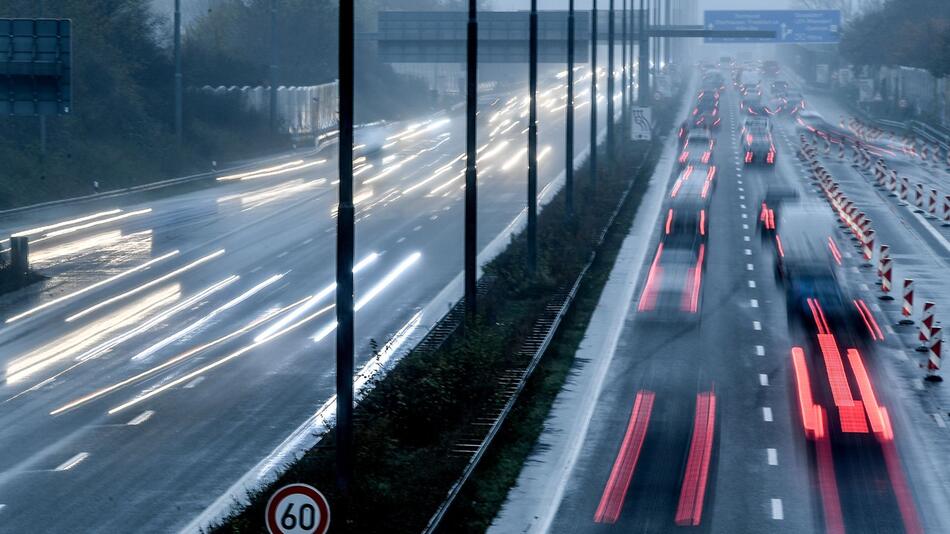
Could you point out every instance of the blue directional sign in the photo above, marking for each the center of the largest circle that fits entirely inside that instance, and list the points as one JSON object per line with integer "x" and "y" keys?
{"x": 790, "y": 26}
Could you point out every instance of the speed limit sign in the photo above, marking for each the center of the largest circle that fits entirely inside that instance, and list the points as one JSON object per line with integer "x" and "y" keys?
{"x": 297, "y": 509}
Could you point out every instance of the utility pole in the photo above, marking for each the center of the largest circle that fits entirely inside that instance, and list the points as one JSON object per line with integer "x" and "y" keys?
{"x": 533, "y": 140}
{"x": 178, "y": 88}
{"x": 610, "y": 83}
{"x": 272, "y": 70}
{"x": 593, "y": 94}
{"x": 344, "y": 261}
{"x": 471, "y": 172}
{"x": 643, "y": 73}
{"x": 569, "y": 141}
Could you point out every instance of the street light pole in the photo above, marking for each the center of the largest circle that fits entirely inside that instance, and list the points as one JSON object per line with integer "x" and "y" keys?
{"x": 533, "y": 140}
{"x": 610, "y": 83}
{"x": 593, "y": 94}
{"x": 623, "y": 65}
{"x": 471, "y": 173}
{"x": 273, "y": 65}
{"x": 178, "y": 87}
{"x": 643, "y": 72}
{"x": 344, "y": 259}
{"x": 569, "y": 140}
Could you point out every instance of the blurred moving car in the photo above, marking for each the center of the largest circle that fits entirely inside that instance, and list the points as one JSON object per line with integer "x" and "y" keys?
{"x": 770, "y": 67}
{"x": 758, "y": 148}
{"x": 779, "y": 87}
{"x": 806, "y": 263}
{"x": 753, "y": 104}
{"x": 698, "y": 145}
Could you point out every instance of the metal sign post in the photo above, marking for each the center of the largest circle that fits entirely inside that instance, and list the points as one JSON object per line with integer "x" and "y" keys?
{"x": 533, "y": 139}
{"x": 593, "y": 95}
{"x": 569, "y": 110}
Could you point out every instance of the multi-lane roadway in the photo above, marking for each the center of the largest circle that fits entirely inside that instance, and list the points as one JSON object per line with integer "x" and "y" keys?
{"x": 184, "y": 342}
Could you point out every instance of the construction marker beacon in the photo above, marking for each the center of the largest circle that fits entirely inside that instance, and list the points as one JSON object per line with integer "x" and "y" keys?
{"x": 297, "y": 509}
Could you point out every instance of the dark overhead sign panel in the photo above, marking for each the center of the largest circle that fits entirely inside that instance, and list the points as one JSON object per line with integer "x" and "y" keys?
{"x": 790, "y": 26}
{"x": 440, "y": 36}
{"x": 35, "y": 67}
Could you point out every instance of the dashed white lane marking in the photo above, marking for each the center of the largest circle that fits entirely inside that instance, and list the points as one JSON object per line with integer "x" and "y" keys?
{"x": 72, "y": 462}
{"x": 940, "y": 422}
{"x": 741, "y": 189}
{"x": 2, "y": 506}
{"x": 756, "y": 325}
{"x": 282, "y": 254}
{"x": 759, "y": 350}
{"x": 752, "y": 284}
{"x": 400, "y": 240}
{"x": 745, "y": 226}
{"x": 746, "y": 238}
{"x": 777, "y": 512}
{"x": 255, "y": 269}
{"x": 308, "y": 241}
{"x": 876, "y": 307}
{"x": 434, "y": 217}
{"x": 767, "y": 414}
{"x": 772, "y": 456}
{"x": 763, "y": 379}
{"x": 917, "y": 384}
{"x": 742, "y": 206}
{"x": 417, "y": 228}
{"x": 749, "y": 267}
{"x": 889, "y": 329}
{"x": 739, "y": 181}
{"x": 194, "y": 382}
{"x": 865, "y": 287}
{"x": 754, "y": 303}
{"x": 748, "y": 252}
{"x": 141, "y": 418}
{"x": 741, "y": 197}
{"x": 744, "y": 216}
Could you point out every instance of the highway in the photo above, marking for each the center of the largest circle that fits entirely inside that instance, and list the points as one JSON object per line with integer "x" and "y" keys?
{"x": 182, "y": 338}
{"x": 700, "y": 420}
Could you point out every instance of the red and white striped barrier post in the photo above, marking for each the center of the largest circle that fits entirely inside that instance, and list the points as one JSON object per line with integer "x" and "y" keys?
{"x": 867, "y": 247}
{"x": 905, "y": 185}
{"x": 841, "y": 151}
{"x": 886, "y": 280}
{"x": 907, "y": 305}
{"x": 892, "y": 183}
{"x": 883, "y": 254}
{"x": 932, "y": 203}
{"x": 946, "y": 210}
{"x": 919, "y": 198}
{"x": 926, "y": 325}
{"x": 933, "y": 359}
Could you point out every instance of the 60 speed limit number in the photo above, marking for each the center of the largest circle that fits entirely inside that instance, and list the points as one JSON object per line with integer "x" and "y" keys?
{"x": 297, "y": 509}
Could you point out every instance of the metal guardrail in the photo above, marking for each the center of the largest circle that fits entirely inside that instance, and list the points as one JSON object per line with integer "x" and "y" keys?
{"x": 542, "y": 333}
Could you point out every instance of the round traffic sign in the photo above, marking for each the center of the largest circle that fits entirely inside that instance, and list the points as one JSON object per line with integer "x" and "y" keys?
{"x": 297, "y": 509}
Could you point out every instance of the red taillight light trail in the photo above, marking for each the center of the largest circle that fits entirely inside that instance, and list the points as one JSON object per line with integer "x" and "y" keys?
{"x": 615, "y": 492}
{"x": 694, "y": 281}
{"x": 834, "y": 250}
{"x": 805, "y": 401}
{"x": 748, "y": 156}
{"x": 702, "y": 222}
{"x": 869, "y": 321}
{"x": 648, "y": 298}
{"x": 778, "y": 245}
{"x": 669, "y": 221}
{"x": 879, "y": 424}
{"x": 827, "y": 483}
{"x": 689, "y": 511}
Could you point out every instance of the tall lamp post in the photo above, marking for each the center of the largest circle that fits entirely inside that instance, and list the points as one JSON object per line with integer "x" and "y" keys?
{"x": 533, "y": 140}
{"x": 593, "y": 94}
{"x": 471, "y": 173}
{"x": 569, "y": 110}
{"x": 610, "y": 83}
{"x": 344, "y": 259}
{"x": 178, "y": 76}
